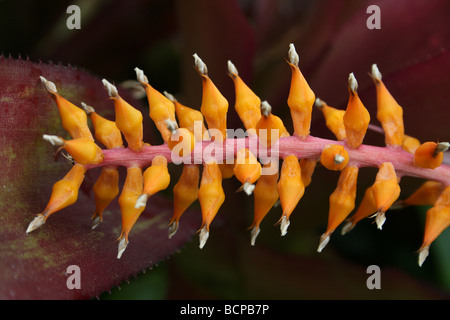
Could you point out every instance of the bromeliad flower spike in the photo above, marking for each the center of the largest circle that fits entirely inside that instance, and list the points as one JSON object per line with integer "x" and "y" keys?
{"x": 272, "y": 165}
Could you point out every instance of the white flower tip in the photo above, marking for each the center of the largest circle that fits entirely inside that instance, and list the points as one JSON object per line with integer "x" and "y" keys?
{"x": 248, "y": 188}
{"x": 141, "y": 201}
{"x": 37, "y": 222}
{"x": 171, "y": 125}
{"x": 141, "y": 77}
{"x": 254, "y": 233}
{"x": 199, "y": 65}
{"x": 352, "y": 83}
{"x": 376, "y": 74}
{"x": 338, "y": 159}
{"x": 87, "y": 109}
{"x": 347, "y": 227}
{"x": 442, "y": 147}
{"x": 169, "y": 96}
{"x": 204, "y": 234}
{"x": 232, "y": 68}
{"x": 284, "y": 225}
{"x": 423, "y": 254}
{"x": 293, "y": 55}
{"x": 380, "y": 219}
{"x": 324, "y": 239}
{"x": 173, "y": 229}
{"x": 110, "y": 88}
{"x": 319, "y": 103}
{"x": 95, "y": 222}
{"x": 266, "y": 109}
{"x": 123, "y": 243}
{"x": 49, "y": 86}
{"x": 54, "y": 140}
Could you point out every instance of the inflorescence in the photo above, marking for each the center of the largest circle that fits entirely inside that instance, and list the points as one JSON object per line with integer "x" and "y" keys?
{"x": 272, "y": 165}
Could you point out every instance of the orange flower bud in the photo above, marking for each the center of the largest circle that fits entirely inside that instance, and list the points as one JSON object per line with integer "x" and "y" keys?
{"x": 266, "y": 195}
{"x": 386, "y": 191}
{"x": 430, "y": 154}
{"x": 426, "y": 195}
{"x": 189, "y": 118}
{"x": 247, "y": 170}
{"x": 185, "y": 192}
{"x": 106, "y": 131}
{"x": 128, "y": 119}
{"x": 290, "y": 189}
{"x": 214, "y": 105}
{"x": 410, "y": 144}
{"x": 301, "y": 97}
{"x": 181, "y": 140}
{"x": 211, "y": 197}
{"x": 156, "y": 178}
{"x": 106, "y": 189}
{"x": 64, "y": 194}
{"x": 356, "y": 116}
{"x": 83, "y": 150}
{"x": 307, "y": 167}
{"x": 389, "y": 112}
{"x": 74, "y": 119}
{"x": 342, "y": 202}
{"x": 334, "y": 119}
{"x": 437, "y": 220}
{"x": 247, "y": 103}
{"x": 161, "y": 108}
{"x": 366, "y": 208}
{"x": 269, "y": 127}
{"x": 334, "y": 157}
{"x": 131, "y": 191}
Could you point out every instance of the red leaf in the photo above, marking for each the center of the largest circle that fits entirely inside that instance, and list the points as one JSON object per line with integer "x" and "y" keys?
{"x": 34, "y": 265}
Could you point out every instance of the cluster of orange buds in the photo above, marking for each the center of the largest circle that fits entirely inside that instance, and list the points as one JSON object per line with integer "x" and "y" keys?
{"x": 197, "y": 139}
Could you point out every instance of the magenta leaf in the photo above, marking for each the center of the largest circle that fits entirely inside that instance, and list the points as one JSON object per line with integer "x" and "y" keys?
{"x": 34, "y": 265}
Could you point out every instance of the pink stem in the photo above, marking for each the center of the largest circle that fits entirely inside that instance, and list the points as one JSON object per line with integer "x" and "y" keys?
{"x": 309, "y": 148}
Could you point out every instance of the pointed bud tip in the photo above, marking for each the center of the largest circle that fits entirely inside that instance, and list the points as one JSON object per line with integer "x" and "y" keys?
{"x": 171, "y": 125}
{"x": 169, "y": 96}
{"x": 232, "y": 68}
{"x": 284, "y": 225}
{"x": 110, "y": 88}
{"x": 95, "y": 222}
{"x": 319, "y": 103}
{"x": 347, "y": 228}
{"x": 423, "y": 254}
{"x": 380, "y": 219}
{"x": 199, "y": 65}
{"x": 141, "y": 77}
{"x": 338, "y": 159}
{"x": 123, "y": 243}
{"x": 204, "y": 234}
{"x": 248, "y": 188}
{"x": 375, "y": 72}
{"x": 324, "y": 239}
{"x": 352, "y": 83}
{"x": 266, "y": 109}
{"x": 293, "y": 55}
{"x": 442, "y": 147}
{"x": 173, "y": 229}
{"x": 141, "y": 201}
{"x": 254, "y": 234}
{"x": 87, "y": 109}
{"x": 49, "y": 86}
{"x": 37, "y": 222}
{"x": 54, "y": 140}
